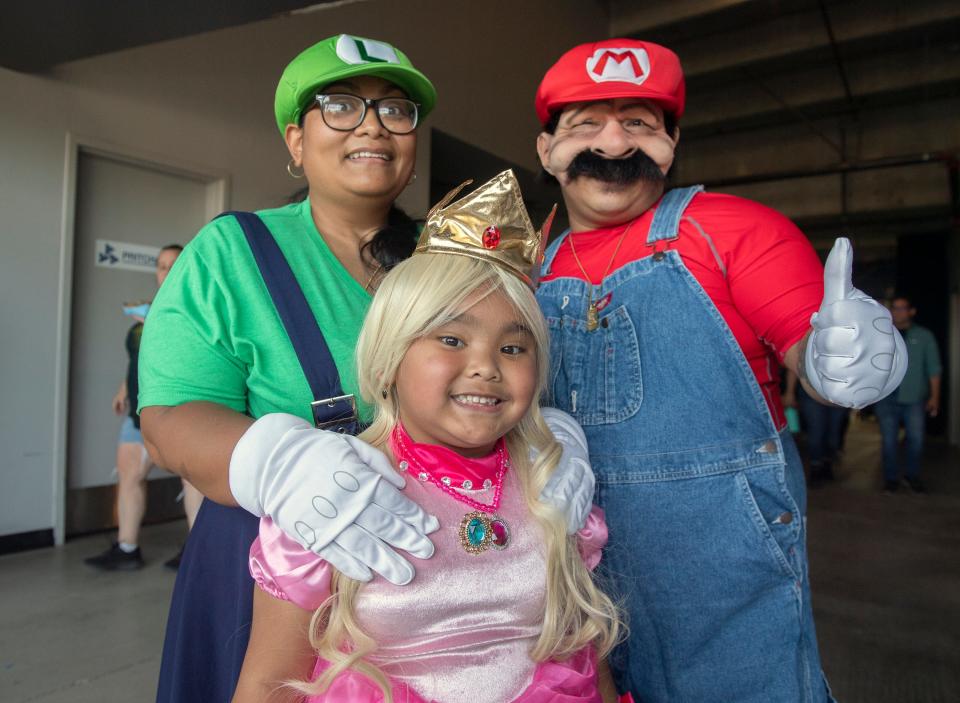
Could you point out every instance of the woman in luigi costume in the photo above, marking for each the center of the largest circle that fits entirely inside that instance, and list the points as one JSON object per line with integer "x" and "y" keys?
{"x": 246, "y": 381}
{"x": 216, "y": 354}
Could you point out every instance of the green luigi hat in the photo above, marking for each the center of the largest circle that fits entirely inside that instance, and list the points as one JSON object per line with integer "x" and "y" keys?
{"x": 341, "y": 57}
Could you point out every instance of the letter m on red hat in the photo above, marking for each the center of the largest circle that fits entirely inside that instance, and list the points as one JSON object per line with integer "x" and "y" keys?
{"x": 614, "y": 64}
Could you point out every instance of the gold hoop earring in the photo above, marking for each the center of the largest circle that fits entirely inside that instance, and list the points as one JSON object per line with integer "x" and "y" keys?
{"x": 293, "y": 174}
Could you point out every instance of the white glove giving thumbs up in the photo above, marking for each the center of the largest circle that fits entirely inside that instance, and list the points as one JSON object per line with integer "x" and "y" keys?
{"x": 855, "y": 356}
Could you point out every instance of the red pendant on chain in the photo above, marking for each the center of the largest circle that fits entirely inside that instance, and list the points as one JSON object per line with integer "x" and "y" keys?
{"x": 501, "y": 533}
{"x": 491, "y": 237}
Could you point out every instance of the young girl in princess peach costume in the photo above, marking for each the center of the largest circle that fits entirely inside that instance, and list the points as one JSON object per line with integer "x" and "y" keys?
{"x": 454, "y": 353}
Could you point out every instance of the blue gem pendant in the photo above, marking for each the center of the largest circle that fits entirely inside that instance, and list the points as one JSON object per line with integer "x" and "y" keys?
{"x": 479, "y": 532}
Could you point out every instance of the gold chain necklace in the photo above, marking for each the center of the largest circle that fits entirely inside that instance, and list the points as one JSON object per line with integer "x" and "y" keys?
{"x": 593, "y": 315}
{"x": 367, "y": 285}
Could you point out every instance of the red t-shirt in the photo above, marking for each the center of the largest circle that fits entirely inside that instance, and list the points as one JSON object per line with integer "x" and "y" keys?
{"x": 756, "y": 266}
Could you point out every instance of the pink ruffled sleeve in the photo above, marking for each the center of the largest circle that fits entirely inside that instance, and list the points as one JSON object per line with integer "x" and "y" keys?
{"x": 287, "y": 571}
{"x": 592, "y": 538}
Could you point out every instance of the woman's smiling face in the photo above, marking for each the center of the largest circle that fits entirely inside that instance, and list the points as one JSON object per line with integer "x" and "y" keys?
{"x": 367, "y": 161}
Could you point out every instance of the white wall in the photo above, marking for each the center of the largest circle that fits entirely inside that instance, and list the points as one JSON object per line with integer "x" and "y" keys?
{"x": 205, "y": 103}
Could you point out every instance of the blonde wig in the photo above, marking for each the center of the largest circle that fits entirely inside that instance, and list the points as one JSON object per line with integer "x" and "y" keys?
{"x": 418, "y": 296}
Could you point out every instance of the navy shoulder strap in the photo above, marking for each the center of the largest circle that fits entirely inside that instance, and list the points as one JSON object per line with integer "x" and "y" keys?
{"x": 332, "y": 409}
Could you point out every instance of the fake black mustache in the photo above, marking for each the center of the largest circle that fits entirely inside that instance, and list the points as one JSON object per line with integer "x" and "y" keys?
{"x": 621, "y": 172}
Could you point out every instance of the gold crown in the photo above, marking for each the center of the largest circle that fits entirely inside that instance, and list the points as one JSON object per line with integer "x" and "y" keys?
{"x": 490, "y": 224}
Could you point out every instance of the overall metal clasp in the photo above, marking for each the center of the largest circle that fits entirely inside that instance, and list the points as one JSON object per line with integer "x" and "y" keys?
{"x": 338, "y": 414}
{"x": 660, "y": 247}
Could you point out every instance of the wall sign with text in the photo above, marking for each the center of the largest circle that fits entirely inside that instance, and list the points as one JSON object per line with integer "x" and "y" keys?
{"x": 124, "y": 255}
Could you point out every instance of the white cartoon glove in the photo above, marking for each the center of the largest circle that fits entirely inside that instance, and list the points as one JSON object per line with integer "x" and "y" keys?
{"x": 334, "y": 494}
{"x": 570, "y": 488}
{"x": 855, "y": 356}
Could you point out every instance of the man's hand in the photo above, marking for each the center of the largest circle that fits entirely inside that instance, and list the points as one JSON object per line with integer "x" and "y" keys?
{"x": 334, "y": 494}
{"x": 854, "y": 356}
{"x": 933, "y": 407}
{"x": 570, "y": 488}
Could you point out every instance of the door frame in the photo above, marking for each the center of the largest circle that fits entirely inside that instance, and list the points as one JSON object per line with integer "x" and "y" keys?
{"x": 951, "y": 394}
{"x": 217, "y": 184}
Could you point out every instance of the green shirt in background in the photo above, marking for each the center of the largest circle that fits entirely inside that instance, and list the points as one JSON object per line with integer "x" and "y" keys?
{"x": 214, "y": 334}
{"x": 923, "y": 362}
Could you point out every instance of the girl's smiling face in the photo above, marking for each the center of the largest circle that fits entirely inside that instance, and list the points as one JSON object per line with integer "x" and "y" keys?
{"x": 469, "y": 382}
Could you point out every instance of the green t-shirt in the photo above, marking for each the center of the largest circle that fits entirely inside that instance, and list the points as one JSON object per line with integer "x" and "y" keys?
{"x": 214, "y": 334}
{"x": 923, "y": 362}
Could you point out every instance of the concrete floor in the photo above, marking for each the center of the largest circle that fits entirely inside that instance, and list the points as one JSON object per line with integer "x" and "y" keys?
{"x": 885, "y": 572}
{"x": 74, "y": 634}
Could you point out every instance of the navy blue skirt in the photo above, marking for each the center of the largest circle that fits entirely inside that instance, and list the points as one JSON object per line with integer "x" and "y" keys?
{"x": 209, "y": 622}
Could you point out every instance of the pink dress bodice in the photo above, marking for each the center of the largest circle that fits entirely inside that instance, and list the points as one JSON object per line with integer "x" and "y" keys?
{"x": 463, "y": 629}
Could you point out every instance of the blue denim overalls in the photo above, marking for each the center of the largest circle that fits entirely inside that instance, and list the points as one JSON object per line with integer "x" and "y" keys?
{"x": 704, "y": 499}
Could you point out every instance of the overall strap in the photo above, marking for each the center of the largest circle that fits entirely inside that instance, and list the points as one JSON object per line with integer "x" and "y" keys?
{"x": 666, "y": 220}
{"x": 331, "y": 408}
{"x": 551, "y": 252}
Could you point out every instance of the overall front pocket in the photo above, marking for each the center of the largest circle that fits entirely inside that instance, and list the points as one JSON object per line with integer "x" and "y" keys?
{"x": 596, "y": 376}
{"x": 776, "y": 517}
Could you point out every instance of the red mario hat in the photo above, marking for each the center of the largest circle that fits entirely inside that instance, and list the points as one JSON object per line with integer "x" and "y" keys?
{"x": 613, "y": 68}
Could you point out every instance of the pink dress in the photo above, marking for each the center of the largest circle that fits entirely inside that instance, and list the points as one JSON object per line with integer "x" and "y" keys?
{"x": 463, "y": 629}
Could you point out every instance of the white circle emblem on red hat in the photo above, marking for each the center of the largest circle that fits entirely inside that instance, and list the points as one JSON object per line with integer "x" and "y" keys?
{"x": 630, "y": 65}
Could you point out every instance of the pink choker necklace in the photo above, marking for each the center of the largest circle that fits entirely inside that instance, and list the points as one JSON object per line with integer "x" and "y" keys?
{"x": 452, "y": 473}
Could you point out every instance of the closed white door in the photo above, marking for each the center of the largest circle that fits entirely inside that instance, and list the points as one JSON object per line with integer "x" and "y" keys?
{"x": 123, "y": 211}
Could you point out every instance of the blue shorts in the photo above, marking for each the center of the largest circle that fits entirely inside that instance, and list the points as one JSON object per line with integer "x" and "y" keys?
{"x": 129, "y": 433}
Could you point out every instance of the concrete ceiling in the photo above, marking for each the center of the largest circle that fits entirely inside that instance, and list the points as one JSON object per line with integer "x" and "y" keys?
{"x": 774, "y": 47}
{"x": 862, "y": 92}
{"x": 751, "y": 54}
{"x": 35, "y": 36}
{"x": 757, "y": 71}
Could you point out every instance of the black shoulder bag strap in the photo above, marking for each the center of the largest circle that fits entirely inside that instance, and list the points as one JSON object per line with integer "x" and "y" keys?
{"x": 332, "y": 409}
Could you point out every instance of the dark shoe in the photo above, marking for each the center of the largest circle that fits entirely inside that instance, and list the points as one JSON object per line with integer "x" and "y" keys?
{"x": 916, "y": 485}
{"x": 115, "y": 559}
{"x": 890, "y": 487}
{"x": 827, "y": 471}
{"x": 821, "y": 471}
{"x": 173, "y": 563}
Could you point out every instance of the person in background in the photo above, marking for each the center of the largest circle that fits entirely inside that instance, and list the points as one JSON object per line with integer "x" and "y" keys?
{"x": 917, "y": 397}
{"x": 192, "y": 498}
{"x": 133, "y": 463}
{"x": 823, "y": 428}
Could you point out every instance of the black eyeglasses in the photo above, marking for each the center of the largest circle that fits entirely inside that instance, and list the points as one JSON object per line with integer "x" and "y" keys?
{"x": 344, "y": 112}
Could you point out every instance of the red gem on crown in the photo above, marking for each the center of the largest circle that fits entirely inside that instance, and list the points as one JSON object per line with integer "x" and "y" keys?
{"x": 491, "y": 237}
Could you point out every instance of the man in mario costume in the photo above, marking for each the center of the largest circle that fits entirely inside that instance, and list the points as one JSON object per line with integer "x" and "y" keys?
{"x": 670, "y": 313}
